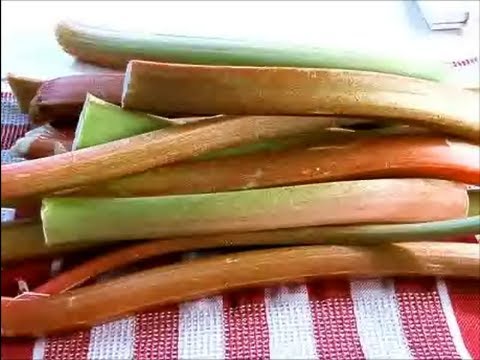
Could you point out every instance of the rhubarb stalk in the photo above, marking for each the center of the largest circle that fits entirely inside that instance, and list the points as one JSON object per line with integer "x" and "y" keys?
{"x": 142, "y": 152}
{"x": 110, "y": 48}
{"x": 398, "y": 156}
{"x": 101, "y": 122}
{"x": 349, "y": 202}
{"x": 341, "y": 235}
{"x": 176, "y": 89}
{"x": 92, "y": 305}
{"x": 336, "y": 159}
{"x": 24, "y": 239}
{"x": 61, "y": 99}
{"x": 24, "y": 89}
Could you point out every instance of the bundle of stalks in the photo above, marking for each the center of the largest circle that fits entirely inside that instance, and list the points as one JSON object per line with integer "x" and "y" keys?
{"x": 334, "y": 167}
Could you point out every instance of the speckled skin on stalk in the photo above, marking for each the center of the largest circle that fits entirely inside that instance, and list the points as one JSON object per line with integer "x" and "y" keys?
{"x": 351, "y": 202}
{"x": 92, "y": 305}
{"x": 333, "y": 156}
{"x": 145, "y": 151}
{"x": 346, "y": 156}
{"x": 176, "y": 89}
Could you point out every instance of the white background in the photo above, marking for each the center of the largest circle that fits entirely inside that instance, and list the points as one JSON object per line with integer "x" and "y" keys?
{"x": 29, "y": 47}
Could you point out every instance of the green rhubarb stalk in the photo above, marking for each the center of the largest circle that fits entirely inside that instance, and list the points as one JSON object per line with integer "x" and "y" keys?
{"x": 24, "y": 240}
{"x": 351, "y": 202}
{"x": 112, "y": 48}
{"x": 101, "y": 122}
{"x": 427, "y": 231}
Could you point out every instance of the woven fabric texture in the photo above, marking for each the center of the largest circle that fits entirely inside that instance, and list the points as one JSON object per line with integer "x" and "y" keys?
{"x": 424, "y": 318}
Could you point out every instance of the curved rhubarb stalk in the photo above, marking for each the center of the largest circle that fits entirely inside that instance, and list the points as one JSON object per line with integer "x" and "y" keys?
{"x": 101, "y": 122}
{"x": 355, "y": 158}
{"x": 110, "y": 48}
{"x": 142, "y": 152}
{"x": 24, "y": 239}
{"x": 176, "y": 89}
{"x": 341, "y": 235}
{"x": 61, "y": 99}
{"x": 24, "y": 89}
{"x": 100, "y": 303}
{"x": 348, "y": 202}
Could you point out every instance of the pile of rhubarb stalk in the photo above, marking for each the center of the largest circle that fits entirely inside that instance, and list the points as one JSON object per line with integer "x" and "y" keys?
{"x": 311, "y": 162}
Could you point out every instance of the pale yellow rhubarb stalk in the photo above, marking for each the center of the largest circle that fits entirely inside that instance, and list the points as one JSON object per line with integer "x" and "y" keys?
{"x": 24, "y": 89}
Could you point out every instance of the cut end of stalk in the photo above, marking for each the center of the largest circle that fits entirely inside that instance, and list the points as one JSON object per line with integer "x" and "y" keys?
{"x": 78, "y": 138}
{"x": 24, "y": 89}
{"x": 126, "y": 82}
{"x": 101, "y": 122}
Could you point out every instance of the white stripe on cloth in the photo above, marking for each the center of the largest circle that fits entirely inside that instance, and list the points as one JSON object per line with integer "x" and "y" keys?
{"x": 201, "y": 329}
{"x": 452, "y": 320}
{"x": 113, "y": 341}
{"x": 378, "y": 320}
{"x": 290, "y": 323}
{"x": 8, "y": 214}
{"x": 39, "y": 349}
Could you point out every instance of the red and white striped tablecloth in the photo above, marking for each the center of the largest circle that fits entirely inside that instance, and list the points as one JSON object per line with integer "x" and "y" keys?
{"x": 398, "y": 318}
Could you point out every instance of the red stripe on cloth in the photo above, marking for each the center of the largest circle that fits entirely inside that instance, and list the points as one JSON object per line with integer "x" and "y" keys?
{"x": 334, "y": 324}
{"x": 33, "y": 273}
{"x": 423, "y": 320}
{"x": 246, "y": 327}
{"x": 10, "y": 133}
{"x": 156, "y": 334}
{"x": 14, "y": 349}
{"x": 68, "y": 347}
{"x": 465, "y": 298}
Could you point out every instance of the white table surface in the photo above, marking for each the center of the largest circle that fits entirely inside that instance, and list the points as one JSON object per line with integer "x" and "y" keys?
{"x": 29, "y": 47}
